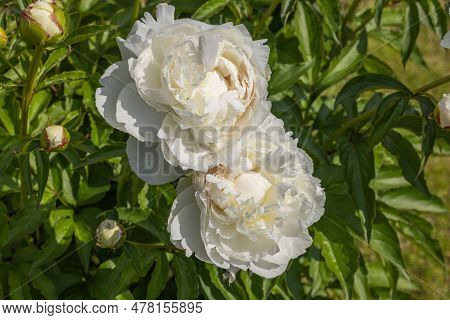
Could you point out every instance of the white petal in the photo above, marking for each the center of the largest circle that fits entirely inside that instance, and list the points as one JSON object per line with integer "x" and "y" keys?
{"x": 112, "y": 82}
{"x": 165, "y": 14}
{"x": 139, "y": 119}
{"x": 445, "y": 42}
{"x": 267, "y": 270}
{"x": 147, "y": 161}
{"x": 184, "y": 225}
{"x": 209, "y": 45}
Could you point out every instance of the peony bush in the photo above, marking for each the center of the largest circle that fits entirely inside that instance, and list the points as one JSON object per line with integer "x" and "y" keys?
{"x": 218, "y": 149}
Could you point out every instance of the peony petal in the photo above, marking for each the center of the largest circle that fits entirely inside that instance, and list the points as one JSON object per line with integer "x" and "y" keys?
{"x": 165, "y": 14}
{"x": 147, "y": 161}
{"x": 184, "y": 225}
{"x": 445, "y": 42}
{"x": 112, "y": 82}
{"x": 210, "y": 48}
{"x": 139, "y": 119}
{"x": 266, "y": 269}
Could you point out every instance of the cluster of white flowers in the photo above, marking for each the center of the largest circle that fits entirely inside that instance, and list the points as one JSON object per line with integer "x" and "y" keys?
{"x": 193, "y": 98}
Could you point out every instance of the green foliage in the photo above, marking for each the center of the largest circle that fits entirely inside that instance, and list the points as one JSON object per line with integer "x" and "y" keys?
{"x": 369, "y": 134}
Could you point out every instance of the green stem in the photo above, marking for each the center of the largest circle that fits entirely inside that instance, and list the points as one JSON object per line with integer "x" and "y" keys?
{"x": 368, "y": 114}
{"x": 433, "y": 85}
{"x": 265, "y": 16}
{"x": 349, "y": 124}
{"x": 136, "y": 8}
{"x": 27, "y": 95}
{"x": 157, "y": 246}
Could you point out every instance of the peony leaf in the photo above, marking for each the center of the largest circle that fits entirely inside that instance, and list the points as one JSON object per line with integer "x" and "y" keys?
{"x": 160, "y": 275}
{"x": 185, "y": 278}
{"x": 409, "y": 198}
{"x": 408, "y": 160}
{"x": 285, "y": 75}
{"x": 347, "y": 62}
{"x": 339, "y": 251}
{"x": 209, "y": 8}
{"x": 85, "y": 32}
{"x": 42, "y": 170}
{"x": 359, "y": 169}
{"x": 411, "y": 29}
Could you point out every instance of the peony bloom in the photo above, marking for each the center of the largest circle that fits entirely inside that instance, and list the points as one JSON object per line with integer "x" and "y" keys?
{"x": 443, "y": 112}
{"x": 185, "y": 89}
{"x": 446, "y": 41}
{"x": 253, "y": 218}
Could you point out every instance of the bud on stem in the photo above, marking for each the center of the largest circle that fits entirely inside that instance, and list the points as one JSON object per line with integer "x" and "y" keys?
{"x": 43, "y": 21}
{"x": 110, "y": 234}
{"x": 55, "y": 138}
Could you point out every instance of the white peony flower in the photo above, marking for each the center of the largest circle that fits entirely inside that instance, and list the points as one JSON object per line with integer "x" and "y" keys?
{"x": 445, "y": 42}
{"x": 189, "y": 87}
{"x": 444, "y": 111}
{"x": 253, "y": 218}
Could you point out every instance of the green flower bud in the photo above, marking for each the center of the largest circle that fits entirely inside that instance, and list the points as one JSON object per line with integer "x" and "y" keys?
{"x": 43, "y": 21}
{"x": 55, "y": 138}
{"x": 110, "y": 234}
{"x": 3, "y": 38}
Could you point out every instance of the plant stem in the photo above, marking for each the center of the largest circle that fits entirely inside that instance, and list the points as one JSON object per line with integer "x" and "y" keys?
{"x": 27, "y": 95}
{"x": 157, "y": 246}
{"x": 265, "y": 16}
{"x": 349, "y": 124}
{"x": 433, "y": 85}
{"x": 136, "y": 8}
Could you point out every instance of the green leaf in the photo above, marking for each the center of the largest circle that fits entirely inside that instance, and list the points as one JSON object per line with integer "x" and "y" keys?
{"x": 385, "y": 242}
{"x": 411, "y": 29}
{"x": 331, "y": 12}
{"x": 379, "y": 10}
{"x": 132, "y": 253}
{"x": 287, "y": 6}
{"x": 409, "y": 198}
{"x": 339, "y": 251}
{"x": 107, "y": 152}
{"x": 218, "y": 282}
{"x": 408, "y": 160}
{"x": 209, "y": 8}
{"x": 83, "y": 241}
{"x": 347, "y": 62}
{"x": 285, "y": 75}
{"x": 55, "y": 58}
{"x": 62, "y": 77}
{"x": 185, "y": 278}
{"x": 429, "y": 128}
{"x": 307, "y": 27}
{"x": 4, "y": 228}
{"x": 24, "y": 222}
{"x": 417, "y": 230}
{"x": 388, "y": 115}
{"x": 144, "y": 219}
{"x": 159, "y": 278}
{"x": 6, "y": 157}
{"x": 359, "y": 169}
{"x": 24, "y": 160}
{"x": 86, "y": 32}
{"x": 117, "y": 275}
{"x": 356, "y": 86}
{"x": 42, "y": 170}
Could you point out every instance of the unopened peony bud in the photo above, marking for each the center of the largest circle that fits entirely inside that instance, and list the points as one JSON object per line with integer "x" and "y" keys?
{"x": 55, "y": 138}
{"x": 442, "y": 112}
{"x": 110, "y": 234}
{"x": 3, "y": 38}
{"x": 43, "y": 21}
